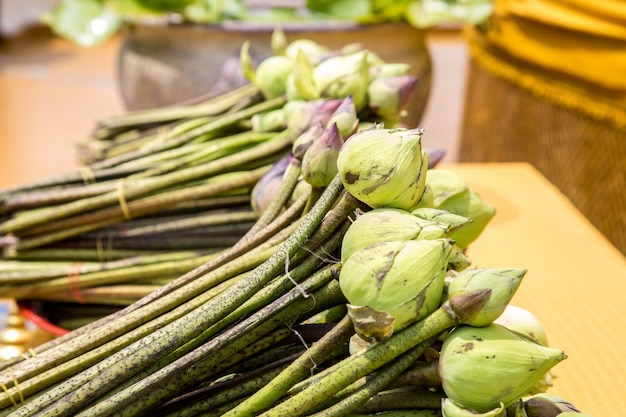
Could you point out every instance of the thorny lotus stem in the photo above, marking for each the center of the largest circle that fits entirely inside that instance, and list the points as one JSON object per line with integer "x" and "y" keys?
{"x": 159, "y": 386}
{"x": 351, "y": 400}
{"x": 134, "y": 190}
{"x": 323, "y": 386}
{"x": 296, "y": 371}
{"x": 210, "y": 107}
{"x": 194, "y": 277}
{"x": 157, "y": 344}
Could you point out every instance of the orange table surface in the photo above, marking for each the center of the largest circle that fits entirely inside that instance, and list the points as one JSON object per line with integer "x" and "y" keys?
{"x": 52, "y": 94}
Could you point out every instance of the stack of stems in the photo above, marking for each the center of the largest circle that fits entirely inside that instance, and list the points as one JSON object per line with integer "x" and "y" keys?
{"x": 160, "y": 192}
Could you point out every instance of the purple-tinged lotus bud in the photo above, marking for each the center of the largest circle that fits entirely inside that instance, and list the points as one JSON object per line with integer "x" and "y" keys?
{"x": 403, "y": 279}
{"x": 450, "y": 408}
{"x": 308, "y": 114}
{"x": 435, "y": 156}
{"x": 266, "y": 188}
{"x": 503, "y": 283}
{"x": 319, "y": 164}
{"x": 303, "y": 142}
{"x": 384, "y": 167}
{"x": 389, "y": 96}
{"x": 481, "y": 367}
{"x": 346, "y": 118}
{"x": 548, "y": 405}
{"x": 523, "y": 321}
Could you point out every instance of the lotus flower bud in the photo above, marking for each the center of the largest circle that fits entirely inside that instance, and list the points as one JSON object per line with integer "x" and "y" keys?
{"x": 458, "y": 260}
{"x": 319, "y": 164}
{"x": 451, "y": 409}
{"x": 389, "y": 70}
{"x": 404, "y": 279}
{"x": 453, "y": 194}
{"x": 523, "y": 321}
{"x": 435, "y": 156}
{"x": 308, "y": 114}
{"x": 389, "y": 96}
{"x": 481, "y": 367}
{"x": 384, "y": 225}
{"x": 311, "y": 49}
{"x": 384, "y": 167}
{"x": 547, "y": 405}
{"x": 345, "y": 118}
{"x": 303, "y": 142}
{"x": 342, "y": 76}
{"x": 271, "y": 75}
{"x": 270, "y": 121}
{"x": 503, "y": 283}
{"x": 427, "y": 200}
{"x": 454, "y": 221}
{"x": 266, "y": 188}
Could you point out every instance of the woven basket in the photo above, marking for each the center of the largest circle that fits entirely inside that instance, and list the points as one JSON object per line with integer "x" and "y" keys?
{"x": 518, "y": 112}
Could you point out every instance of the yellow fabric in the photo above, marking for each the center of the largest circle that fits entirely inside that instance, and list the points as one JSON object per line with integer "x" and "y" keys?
{"x": 582, "y": 38}
{"x": 569, "y": 52}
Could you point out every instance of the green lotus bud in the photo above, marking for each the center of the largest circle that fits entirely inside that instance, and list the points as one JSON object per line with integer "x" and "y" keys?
{"x": 458, "y": 260}
{"x": 454, "y": 221}
{"x": 523, "y": 321}
{"x": 384, "y": 167}
{"x": 345, "y": 117}
{"x": 311, "y": 49}
{"x": 481, "y": 367}
{"x": 389, "y": 70}
{"x": 343, "y": 76}
{"x": 451, "y": 409}
{"x": 278, "y": 42}
{"x": 547, "y": 405}
{"x": 389, "y": 96}
{"x": 271, "y": 75}
{"x": 270, "y": 121}
{"x": 303, "y": 77}
{"x": 453, "y": 194}
{"x": 404, "y": 279}
{"x": 384, "y": 225}
{"x": 319, "y": 164}
{"x": 427, "y": 200}
{"x": 503, "y": 283}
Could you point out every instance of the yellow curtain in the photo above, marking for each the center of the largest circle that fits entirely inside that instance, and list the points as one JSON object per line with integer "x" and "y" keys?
{"x": 569, "y": 51}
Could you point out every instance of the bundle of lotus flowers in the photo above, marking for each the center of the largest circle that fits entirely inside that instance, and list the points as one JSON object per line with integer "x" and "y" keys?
{"x": 162, "y": 191}
{"x": 350, "y": 295}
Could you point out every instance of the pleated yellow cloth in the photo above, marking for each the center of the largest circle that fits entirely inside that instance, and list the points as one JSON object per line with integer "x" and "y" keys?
{"x": 571, "y": 52}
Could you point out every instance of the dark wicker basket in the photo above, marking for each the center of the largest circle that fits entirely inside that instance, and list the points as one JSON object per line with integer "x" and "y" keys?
{"x": 582, "y": 153}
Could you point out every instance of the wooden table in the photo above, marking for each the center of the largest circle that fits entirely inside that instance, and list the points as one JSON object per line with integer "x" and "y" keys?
{"x": 52, "y": 93}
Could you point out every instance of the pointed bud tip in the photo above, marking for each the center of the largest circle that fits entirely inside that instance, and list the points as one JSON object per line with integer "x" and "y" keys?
{"x": 466, "y": 304}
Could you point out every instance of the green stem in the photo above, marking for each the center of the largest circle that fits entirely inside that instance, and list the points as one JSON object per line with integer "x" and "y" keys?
{"x": 133, "y": 190}
{"x": 296, "y": 371}
{"x": 324, "y": 386}
{"x": 211, "y": 107}
{"x": 375, "y": 383}
{"x": 165, "y": 383}
{"x": 151, "y": 348}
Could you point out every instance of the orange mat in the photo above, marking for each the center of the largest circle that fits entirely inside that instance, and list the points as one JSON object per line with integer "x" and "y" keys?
{"x": 575, "y": 284}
